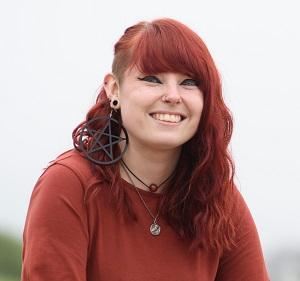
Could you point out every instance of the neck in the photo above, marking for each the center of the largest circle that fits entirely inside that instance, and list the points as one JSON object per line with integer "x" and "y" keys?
{"x": 150, "y": 165}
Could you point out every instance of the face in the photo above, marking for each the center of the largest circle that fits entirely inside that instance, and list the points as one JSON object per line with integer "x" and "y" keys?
{"x": 159, "y": 111}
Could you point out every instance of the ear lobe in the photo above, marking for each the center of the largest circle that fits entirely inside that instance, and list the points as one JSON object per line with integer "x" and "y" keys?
{"x": 111, "y": 85}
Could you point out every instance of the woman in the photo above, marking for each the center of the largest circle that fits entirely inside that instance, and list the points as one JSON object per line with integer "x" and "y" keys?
{"x": 148, "y": 193}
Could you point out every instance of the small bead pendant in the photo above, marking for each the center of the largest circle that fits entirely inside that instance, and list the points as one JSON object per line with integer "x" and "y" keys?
{"x": 153, "y": 187}
{"x": 154, "y": 229}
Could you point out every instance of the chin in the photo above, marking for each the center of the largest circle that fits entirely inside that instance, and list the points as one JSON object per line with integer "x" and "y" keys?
{"x": 159, "y": 140}
{"x": 165, "y": 144}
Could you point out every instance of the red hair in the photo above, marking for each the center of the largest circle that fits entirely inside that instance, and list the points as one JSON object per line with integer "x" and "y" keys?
{"x": 198, "y": 202}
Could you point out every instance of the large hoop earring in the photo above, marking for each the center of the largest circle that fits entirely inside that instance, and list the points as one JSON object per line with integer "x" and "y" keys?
{"x": 91, "y": 140}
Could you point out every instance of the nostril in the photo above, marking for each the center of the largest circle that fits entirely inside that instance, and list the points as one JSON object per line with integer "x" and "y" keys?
{"x": 171, "y": 99}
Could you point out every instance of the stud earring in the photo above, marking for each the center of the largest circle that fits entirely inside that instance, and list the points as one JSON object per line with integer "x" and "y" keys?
{"x": 115, "y": 103}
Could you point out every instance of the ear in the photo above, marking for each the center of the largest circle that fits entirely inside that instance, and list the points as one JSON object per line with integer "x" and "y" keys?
{"x": 111, "y": 85}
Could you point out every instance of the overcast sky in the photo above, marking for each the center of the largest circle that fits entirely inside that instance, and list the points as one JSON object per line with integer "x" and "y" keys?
{"x": 54, "y": 54}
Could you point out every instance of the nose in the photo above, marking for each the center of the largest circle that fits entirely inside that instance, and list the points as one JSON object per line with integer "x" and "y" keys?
{"x": 172, "y": 95}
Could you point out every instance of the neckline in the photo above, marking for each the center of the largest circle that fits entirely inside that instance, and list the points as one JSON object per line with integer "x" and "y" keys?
{"x": 143, "y": 192}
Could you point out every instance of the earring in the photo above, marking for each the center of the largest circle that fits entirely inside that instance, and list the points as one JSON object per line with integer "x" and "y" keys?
{"x": 94, "y": 140}
{"x": 115, "y": 103}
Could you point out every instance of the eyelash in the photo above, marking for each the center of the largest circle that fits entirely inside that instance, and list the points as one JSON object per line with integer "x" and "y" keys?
{"x": 154, "y": 79}
{"x": 195, "y": 82}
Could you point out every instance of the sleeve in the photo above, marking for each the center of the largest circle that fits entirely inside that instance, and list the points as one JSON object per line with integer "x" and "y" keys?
{"x": 55, "y": 238}
{"x": 245, "y": 261}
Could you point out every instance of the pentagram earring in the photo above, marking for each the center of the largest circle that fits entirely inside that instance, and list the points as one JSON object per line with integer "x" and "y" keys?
{"x": 101, "y": 134}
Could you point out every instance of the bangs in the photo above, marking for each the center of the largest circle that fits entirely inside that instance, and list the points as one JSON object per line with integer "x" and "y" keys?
{"x": 166, "y": 48}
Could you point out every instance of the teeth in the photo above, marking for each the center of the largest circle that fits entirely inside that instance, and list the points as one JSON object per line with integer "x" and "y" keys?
{"x": 167, "y": 117}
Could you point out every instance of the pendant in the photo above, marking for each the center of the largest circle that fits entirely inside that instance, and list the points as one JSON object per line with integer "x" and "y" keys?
{"x": 154, "y": 229}
{"x": 153, "y": 187}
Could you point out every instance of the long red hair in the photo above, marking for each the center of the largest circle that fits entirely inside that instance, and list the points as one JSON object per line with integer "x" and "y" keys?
{"x": 198, "y": 202}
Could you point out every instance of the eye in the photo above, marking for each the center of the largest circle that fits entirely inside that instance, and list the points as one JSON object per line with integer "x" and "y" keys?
{"x": 190, "y": 82}
{"x": 151, "y": 79}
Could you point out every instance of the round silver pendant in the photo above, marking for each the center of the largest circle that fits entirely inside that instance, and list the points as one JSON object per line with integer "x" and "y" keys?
{"x": 154, "y": 229}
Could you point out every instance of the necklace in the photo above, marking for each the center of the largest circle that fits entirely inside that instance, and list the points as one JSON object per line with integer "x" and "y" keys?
{"x": 152, "y": 187}
{"x": 154, "y": 227}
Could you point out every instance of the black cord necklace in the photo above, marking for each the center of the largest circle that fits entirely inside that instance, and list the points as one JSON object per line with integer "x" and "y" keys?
{"x": 154, "y": 227}
{"x": 152, "y": 187}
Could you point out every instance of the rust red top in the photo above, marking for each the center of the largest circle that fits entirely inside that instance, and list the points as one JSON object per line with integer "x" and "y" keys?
{"x": 66, "y": 239}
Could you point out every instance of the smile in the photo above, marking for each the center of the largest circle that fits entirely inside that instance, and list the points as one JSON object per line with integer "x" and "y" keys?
{"x": 172, "y": 118}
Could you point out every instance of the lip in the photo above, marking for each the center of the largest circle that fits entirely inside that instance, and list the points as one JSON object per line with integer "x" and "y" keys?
{"x": 166, "y": 123}
{"x": 183, "y": 116}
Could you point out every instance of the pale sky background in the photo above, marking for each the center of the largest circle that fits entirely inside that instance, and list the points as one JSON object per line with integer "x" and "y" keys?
{"x": 54, "y": 54}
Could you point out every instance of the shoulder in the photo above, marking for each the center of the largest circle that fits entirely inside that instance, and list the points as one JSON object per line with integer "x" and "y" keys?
{"x": 72, "y": 162}
{"x": 64, "y": 183}
{"x": 70, "y": 173}
{"x": 241, "y": 214}
{"x": 244, "y": 261}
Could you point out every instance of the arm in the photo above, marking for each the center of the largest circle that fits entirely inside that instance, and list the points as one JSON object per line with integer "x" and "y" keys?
{"x": 55, "y": 238}
{"x": 244, "y": 262}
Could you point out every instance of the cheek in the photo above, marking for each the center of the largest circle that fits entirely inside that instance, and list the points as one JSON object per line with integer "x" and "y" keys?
{"x": 196, "y": 112}
{"x": 127, "y": 113}
{"x": 131, "y": 113}
{"x": 196, "y": 106}
{"x": 135, "y": 102}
